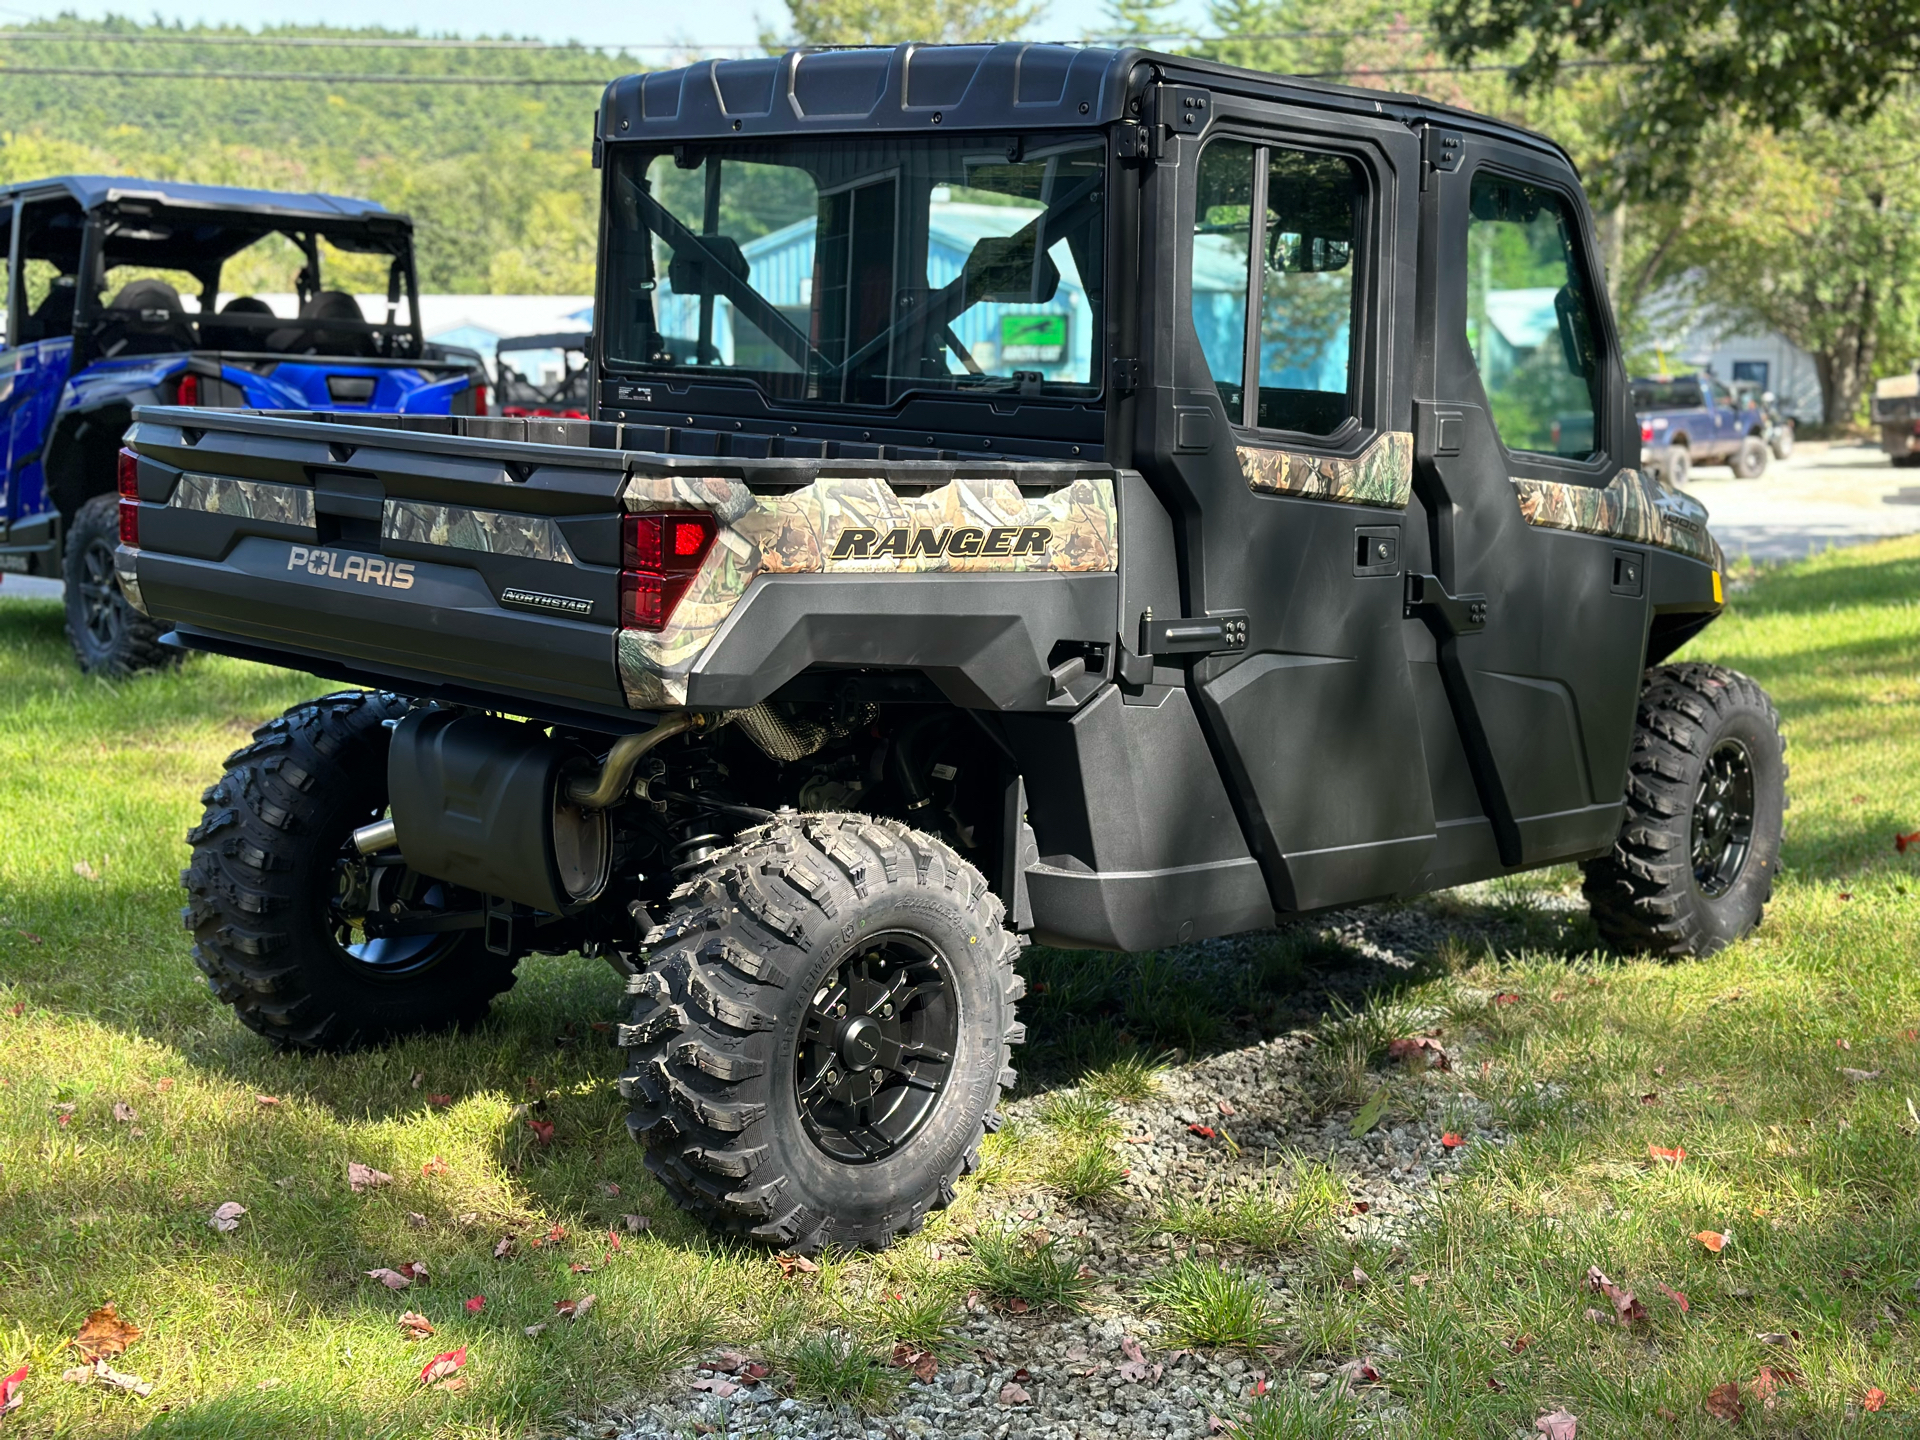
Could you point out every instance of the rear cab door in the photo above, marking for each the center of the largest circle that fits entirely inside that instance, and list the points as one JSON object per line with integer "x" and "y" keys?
{"x": 43, "y": 258}
{"x": 1541, "y": 664}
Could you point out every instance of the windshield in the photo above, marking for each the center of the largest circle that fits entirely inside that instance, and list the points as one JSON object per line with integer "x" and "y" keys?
{"x": 1667, "y": 395}
{"x": 856, "y": 271}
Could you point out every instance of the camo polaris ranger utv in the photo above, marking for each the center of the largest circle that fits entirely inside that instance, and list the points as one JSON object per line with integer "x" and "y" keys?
{"x": 1067, "y": 493}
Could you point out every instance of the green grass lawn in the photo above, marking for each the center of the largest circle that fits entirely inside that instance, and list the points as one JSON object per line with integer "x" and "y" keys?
{"x": 274, "y": 1329}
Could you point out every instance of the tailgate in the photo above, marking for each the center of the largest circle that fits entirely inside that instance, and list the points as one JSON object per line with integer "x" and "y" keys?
{"x": 490, "y": 563}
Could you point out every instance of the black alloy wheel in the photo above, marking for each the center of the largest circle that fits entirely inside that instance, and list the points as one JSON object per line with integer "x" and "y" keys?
{"x": 373, "y": 896}
{"x": 876, "y": 1048}
{"x": 102, "y": 610}
{"x": 109, "y": 637}
{"x": 1723, "y": 818}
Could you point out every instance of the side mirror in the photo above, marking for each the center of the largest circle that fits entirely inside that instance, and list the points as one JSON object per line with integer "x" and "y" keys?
{"x": 1009, "y": 270}
{"x": 698, "y": 274}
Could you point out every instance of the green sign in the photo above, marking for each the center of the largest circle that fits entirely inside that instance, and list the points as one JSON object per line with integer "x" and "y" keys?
{"x": 1033, "y": 338}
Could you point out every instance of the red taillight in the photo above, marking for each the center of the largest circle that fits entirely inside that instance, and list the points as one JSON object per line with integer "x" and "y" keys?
{"x": 479, "y": 398}
{"x": 1646, "y": 434}
{"x": 189, "y": 393}
{"x": 660, "y": 553}
{"x": 128, "y": 476}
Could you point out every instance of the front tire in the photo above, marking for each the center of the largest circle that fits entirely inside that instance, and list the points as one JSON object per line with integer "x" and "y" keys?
{"x": 278, "y": 896}
{"x": 109, "y": 637}
{"x": 1750, "y": 460}
{"x": 1693, "y": 868}
{"x": 822, "y": 1032}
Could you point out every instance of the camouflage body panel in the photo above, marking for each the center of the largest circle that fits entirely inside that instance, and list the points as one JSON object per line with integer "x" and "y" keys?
{"x": 498, "y": 532}
{"x": 1381, "y": 475}
{"x": 248, "y": 499}
{"x": 1633, "y": 506}
{"x": 856, "y": 525}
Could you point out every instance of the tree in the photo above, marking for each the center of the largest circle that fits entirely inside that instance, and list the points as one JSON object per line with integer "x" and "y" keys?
{"x": 1139, "y": 20}
{"x": 889, "y": 22}
{"x": 1772, "y": 64}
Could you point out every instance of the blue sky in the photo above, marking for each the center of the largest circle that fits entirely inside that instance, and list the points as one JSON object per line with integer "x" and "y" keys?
{"x": 710, "y": 22}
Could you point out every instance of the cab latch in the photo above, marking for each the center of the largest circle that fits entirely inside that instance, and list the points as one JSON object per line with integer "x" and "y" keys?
{"x": 1428, "y": 600}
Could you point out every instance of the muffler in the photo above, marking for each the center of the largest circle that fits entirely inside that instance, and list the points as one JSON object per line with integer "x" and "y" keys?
{"x": 489, "y": 804}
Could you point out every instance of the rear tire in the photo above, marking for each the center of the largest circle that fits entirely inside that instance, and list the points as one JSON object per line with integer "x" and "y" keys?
{"x": 109, "y": 637}
{"x": 271, "y": 860}
{"x": 1693, "y": 868}
{"x": 1782, "y": 442}
{"x": 762, "y": 1105}
{"x": 1679, "y": 466}
{"x": 1750, "y": 460}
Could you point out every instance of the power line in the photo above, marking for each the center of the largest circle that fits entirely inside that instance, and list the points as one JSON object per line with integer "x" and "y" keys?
{"x": 294, "y": 77}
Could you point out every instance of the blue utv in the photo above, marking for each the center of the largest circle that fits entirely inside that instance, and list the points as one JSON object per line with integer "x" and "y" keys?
{"x": 96, "y": 324}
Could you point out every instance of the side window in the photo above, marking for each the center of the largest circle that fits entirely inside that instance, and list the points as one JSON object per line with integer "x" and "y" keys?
{"x": 1222, "y": 231}
{"x": 1530, "y": 317}
{"x": 1299, "y": 209}
{"x": 1307, "y": 292}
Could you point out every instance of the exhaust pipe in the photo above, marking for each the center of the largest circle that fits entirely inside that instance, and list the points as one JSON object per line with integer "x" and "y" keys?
{"x": 628, "y": 751}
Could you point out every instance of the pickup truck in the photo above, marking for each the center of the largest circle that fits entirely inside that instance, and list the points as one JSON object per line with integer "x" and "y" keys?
{"x": 1688, "y": 420}
{"x": 1031, "y": 492}
{"x": 97, "y": 324}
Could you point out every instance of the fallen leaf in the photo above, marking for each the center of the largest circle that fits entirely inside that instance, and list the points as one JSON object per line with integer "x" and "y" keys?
{"x": 1772, "y": 1337}
{"x": 1724, "y": 1403}
{"x": 1369, "y": 1114}
{"x": 18, "y": 1009}
{"x": 467, "y": 1217}
{"x": 1359, "y": 1280}
{"x": 1715, "y": 1240}
{"x": 10, "y": 1396}
{"x": 1519, "y": 1344}
{"x": 1133, "y": 1368}
{"x": 923, "y": 1363}
{"x": 124, "y": 1113}
{"x": 434, "y": 1165}
{"x": 442, "y": 1368}
{"x": 542, "y": 1130}
{"x": 1205, "y": 1132}
{"x": 1874, "y": 1399}
{"x": 364, "y": 1177}
{"x": 1018, "y": 1306}
{"x": 1770, "y": 1380}
{"x": 715, "y": 1386}
{"x": 1409, "y": 1049}
{"x": 574, "y": 1309}
{"x": 553, "y": 1236}
{"x": 580, "y": 1267}
{"x": 1626, "y": 1309}
{"x": 1901, "y": 842}
{"x": 475, "y": 1303}
{"x": 1215, "y": 1425}
{"x": 392, "y": 1279}
{"x": 1678, "y": 1297}
{"x": 1671, "y": 1157}
{"x": 32, "y": 939}
{"x": 1859, "y": 1077}
{"x": 439, "y": 1099}
{"x": 1419, "y": 1282}
{"x": 1357, "y": 1371}
{"x": 504, "y": 1248}
{"x": 1557, "y": 1425}
{"x": 416, "y": 1220}
{"x": 1843, "y": 1045}
{"x": 1506, "y": 997}
{"x": 636, "y": 1223}
{"x": 1652, "y": 1097}
{"x": 1846, "y": 895}
{"x": 790, "y": 1263}
{"x": 614, "y": 1242}
{"x": 1452, "y": 1141}
{"x": 1012, "y": 1394}
{"x": 227, "y": 1217}
{"x": 1496, "y": 1384}
{"x": 1361, "y": 1207}
{"x": 103, "y": 1334}
{"x": 104, "y": 1373}
{"x": 1226, "y": 1109}
{"x": 418, "y": 1077}
{"x": 610, "y": 1188}
{"x": 417, "y": 1326}
{"x": 85, "y": 871}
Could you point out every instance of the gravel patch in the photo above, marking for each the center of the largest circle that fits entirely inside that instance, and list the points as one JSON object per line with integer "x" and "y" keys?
{"x": 1112, "y": 1371}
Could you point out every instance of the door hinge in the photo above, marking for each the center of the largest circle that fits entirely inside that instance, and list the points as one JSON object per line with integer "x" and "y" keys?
{"x": 1440, "y": 150}
{"x": 1126, "y": 374}
{"x": 1427, "y": 599}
